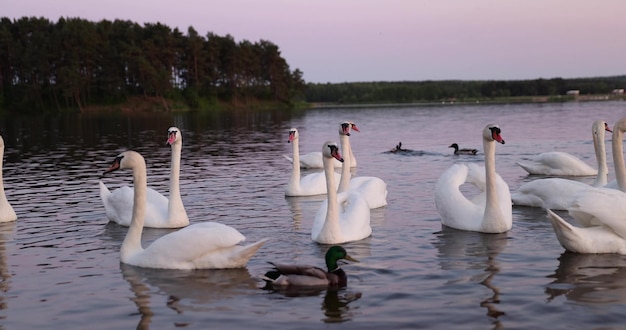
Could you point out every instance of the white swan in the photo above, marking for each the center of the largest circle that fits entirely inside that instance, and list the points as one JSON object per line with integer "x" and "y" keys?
{"x": 347, "y": 215}
{"x": 312, "y": 159}
{"x": 600, "y": 211}
{"x": 372, "y": 189}
{"x": 557, "y": 193}
{"x": 198, "y": 246}
{"x": 560, "y": 163}
{"x": 161, "y": 212}
{"x": 309, "y": 185}
{"x": 489, "y": 212}
{"x": 7, "y": 213}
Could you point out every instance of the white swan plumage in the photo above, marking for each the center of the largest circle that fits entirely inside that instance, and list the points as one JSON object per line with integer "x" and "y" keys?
{"x": 559, "y": 163}
{"x": 312, "y": 159}
{"x": 371, "y": 188}
{"x": 206, "y": 245}
{"x": 490, "y": 211}
{"x": 346, "y": 217}
{"x": 309, "y": 185}
{"x": 161, "y": 212}
{"x": 601, "y": 212}
{"x": 557, "y": 193}
{"x": 7, "y": 214}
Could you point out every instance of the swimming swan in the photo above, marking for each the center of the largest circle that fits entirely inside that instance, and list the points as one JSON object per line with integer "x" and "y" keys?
{"x": 7, "y": 213}
{"x": 161, "y": 211}
{"x": 557, "y": 193}
{"x": 346, "y": 217}
{"x": 600, "y": 211}
{"x": 489, "y": 212}
{"x": 311, "y": 159}
{"x": 206, "y": 245}
{"x": 371, "y": 188}
{"x": 561, "y": 163}
{"x": 309, "y": 185}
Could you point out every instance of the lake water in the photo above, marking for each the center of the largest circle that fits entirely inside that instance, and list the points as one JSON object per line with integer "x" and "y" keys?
{"x": 59, "y": 263}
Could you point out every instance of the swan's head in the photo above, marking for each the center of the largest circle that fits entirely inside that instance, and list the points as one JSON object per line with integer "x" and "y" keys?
{"x": 331, "y": 150}
{"x": 599, "y": 127}
{"x": 293, "y": 135}
{"x": 492, "y": 133}
{"x": 174, "y": 136}
{"x": 127, "y": 159}
{"x": 346, "y": 126}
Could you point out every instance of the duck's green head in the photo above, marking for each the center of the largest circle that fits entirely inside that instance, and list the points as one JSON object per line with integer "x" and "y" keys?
{"x": 334, "y": 254}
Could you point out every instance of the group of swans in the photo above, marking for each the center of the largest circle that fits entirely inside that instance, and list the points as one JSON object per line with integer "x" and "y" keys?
{"x": 488, "y": 212}
{"x": 161, "y": 212}
{"x": 312, "y": 159}
{"x": 557, "y": 193}
{"x": 600, "y": 211}
{"x": 344, "y": 215}
{"x": 206, "y": 245}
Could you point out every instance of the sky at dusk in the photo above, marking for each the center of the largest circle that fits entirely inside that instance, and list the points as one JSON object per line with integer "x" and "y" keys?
{"x": 392, "y": 40}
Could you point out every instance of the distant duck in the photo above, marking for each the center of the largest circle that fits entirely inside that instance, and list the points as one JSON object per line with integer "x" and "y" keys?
{"x": 464, "y": 151}
{"x": 398, "y": 148}
{"x": 290, "y": 276}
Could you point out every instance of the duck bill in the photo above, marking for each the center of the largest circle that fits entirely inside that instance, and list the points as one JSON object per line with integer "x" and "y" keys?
{"x": 348, "y": 257}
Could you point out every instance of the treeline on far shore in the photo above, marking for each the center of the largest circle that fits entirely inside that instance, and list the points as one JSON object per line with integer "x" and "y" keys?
{"x": 453, "y": 91}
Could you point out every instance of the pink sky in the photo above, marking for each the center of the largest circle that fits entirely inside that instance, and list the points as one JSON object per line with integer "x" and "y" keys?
{"x": 392, "y": 40}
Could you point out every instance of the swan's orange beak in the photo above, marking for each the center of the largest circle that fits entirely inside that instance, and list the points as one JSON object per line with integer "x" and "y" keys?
{"x": 607, "y": 128}
{"x": 497, "y": 137}
{"x": 171, "y": 137}
{"x": 114, "y": 166}
{"x": 336, "y": 154}
{"x": 354, "y": 127}
{"x": 292, "y": 136}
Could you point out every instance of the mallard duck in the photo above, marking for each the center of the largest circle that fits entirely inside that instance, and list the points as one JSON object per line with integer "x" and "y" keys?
{"x": 286, "y": 276}
{"x": 464, "y": 151}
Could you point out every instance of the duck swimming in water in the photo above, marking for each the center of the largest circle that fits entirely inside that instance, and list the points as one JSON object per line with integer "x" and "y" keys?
{"x": 464, "y": 151}
{"x": 289, "y": 276}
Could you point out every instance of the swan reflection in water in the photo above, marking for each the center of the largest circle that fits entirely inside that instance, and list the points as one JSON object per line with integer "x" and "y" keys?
{"x": 186, "y": 290}
{"x": 465, "y": 251}
{"x": 589, "y": 278}
{"x": 7, "y": 231}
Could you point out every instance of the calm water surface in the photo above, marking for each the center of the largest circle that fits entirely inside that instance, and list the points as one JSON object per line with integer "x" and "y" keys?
{"x": 59, "y": 263}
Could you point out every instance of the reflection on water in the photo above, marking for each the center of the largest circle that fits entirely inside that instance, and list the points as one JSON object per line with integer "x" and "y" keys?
{"x": 186, "y": 290}
{"x": 461, "y": 250}
{"x": 589, "y": 278}
{"x": 7, "y": 231}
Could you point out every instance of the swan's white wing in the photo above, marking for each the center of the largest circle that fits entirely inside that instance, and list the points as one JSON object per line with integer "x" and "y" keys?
{"x": 372, "y": 189}
{"x": 557, "y": 163}
{"x": 354, "y": 216}
{"x": 118, "y": 205}
{"x": 551, "y": 193}
{"x": 453, "y": 207}
{"x": 600, "y": 206}
{"x": 194, "y": 241}
{"x": 596, "y": 239}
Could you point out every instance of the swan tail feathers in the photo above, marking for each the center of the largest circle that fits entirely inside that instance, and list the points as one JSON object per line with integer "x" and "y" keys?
{"x": 246, "y": 252}
{"x": 104, "y": 191}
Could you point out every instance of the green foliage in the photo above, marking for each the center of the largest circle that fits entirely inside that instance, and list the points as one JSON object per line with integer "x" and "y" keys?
{"x": 458, "y": 91}
{"x": 74, "y": 63}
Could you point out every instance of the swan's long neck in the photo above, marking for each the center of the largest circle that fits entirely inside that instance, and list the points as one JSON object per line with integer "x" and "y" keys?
{"x": 2, "y": 195}
{"x": 331, "y": 225}
{"x": 491, "y": 207}
{"x": 132, "y": 241}
{"x": 600, "y": 149}
{"x": 618, "y": 154}
{"x": 346, "y": 150}
{"x": 295, "y": 165}
{"x": 175, "y": 204}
